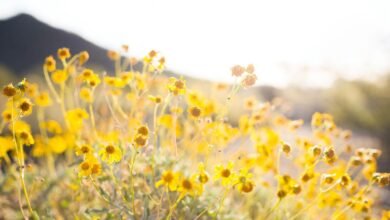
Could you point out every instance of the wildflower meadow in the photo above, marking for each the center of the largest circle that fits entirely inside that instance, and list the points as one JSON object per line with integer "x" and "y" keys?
{"x": 136, "y": 144}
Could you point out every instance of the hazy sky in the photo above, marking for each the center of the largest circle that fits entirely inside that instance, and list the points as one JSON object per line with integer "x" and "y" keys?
{"x": 298, "y": 42}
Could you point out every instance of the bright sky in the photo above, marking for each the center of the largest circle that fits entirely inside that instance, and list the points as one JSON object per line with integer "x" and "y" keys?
{"x": 290, "y": 42}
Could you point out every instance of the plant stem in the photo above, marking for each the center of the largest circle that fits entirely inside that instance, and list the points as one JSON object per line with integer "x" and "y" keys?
{"x": 172, "y": 208}
{"x": 20, "y": 156}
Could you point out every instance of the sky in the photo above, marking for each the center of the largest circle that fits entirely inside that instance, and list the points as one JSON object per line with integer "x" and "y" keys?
{"x": 305, "y": 43}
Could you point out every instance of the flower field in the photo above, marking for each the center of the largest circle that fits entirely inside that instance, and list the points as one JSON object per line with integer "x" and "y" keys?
{"x": 135, "y": 144}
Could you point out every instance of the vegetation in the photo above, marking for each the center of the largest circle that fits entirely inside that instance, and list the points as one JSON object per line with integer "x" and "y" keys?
{"x": 137, "y": 145}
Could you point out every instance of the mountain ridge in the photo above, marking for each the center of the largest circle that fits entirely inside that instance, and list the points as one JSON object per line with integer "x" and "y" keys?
{"x": 25, "y": 42}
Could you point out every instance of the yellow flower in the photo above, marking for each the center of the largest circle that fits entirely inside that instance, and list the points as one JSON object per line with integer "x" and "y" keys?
{"x": 188, "y": 186}
{"x": 9, "y": 90}
{"x": 50, "y": 64}
{"x": 244, "y": 181}
{"x": 140, "y": 81}
{"x": 84, "y": 57}
{"x": 166, "y": 121}
{"x": 57, "y": 144}
{"x": 52, "y": 126}
{"x": 84, "y": 149}
{"x": 32, "y": 89}
{"x": 75, "y": 117}
{"x": 113, "y": 55}
{"x": 7, "y": 115}
{"x": 85, "y": 168}
{"x": 25, "y": 106}
{"x": 59, "y": 76}
{"x": 94, "y": 81}
{"x": 194, "y": 112}
{"x": 225, "y": 173}
{"x": 63, "y": 53}
{"x": 19, "y": 126}
{"x": 149, "y": 58}
{"x": 140, "y": 140}
{"x": 6, "y": 144}
{"x": 143, "y": 130}
{"x": 86, "y": 95}
{"x": 25, "y": 137}
{"x": 169, "y": 179}
{"x": 86, "y": 75}
{"x": 96, "y": 169}
{"x": 114, "y": 81}
{"x": 40, "y": 148}
{"x": 126, "y": 77}
{"x": 43, "y": 99}
{"x": 155, "y": 99}
{"x": 90, "y": 166}
{"x": 177, "y": 86}
{"x": 250, "y": 103}
{"x": 111, "y": 154}
{"x": 202, "y": 176}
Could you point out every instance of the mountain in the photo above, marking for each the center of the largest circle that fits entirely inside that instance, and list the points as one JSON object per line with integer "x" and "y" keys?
{"x": 26, "y": 41}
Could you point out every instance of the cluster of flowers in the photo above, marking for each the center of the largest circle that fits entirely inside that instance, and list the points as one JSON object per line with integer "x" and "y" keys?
{"x": 149, "y": 147}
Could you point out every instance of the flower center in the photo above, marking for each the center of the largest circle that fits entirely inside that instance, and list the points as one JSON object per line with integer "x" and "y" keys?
{"x": 225, "y": 173}
{"x": 110, "y": 149}
{"x": 179, "y": 84}
{"x": 195, "y": 112}
{"x": 187, "y": 184}
{"x": 95, "y": 169}
{"x": 84, "y": 149}
{"x": 242, "y": 179}
{"x": 168, "y": 177}
{"x": 24, "y": 135}
{"x": 203, "y": 178}
{"x": 85, "y": 166}
{"x": 25, "y": 106}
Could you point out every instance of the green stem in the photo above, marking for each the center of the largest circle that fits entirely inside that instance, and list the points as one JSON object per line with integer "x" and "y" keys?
{"x": 172, "y": 208}
{"x": 273, "y": 208}
{"x": 20, "y": 156}
{"x": 132, "y": 182}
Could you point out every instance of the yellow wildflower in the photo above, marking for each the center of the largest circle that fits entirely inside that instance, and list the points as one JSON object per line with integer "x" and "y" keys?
{"x": 63, "y": 53}
{"x": 43, "y": 99}
{"x": 202, "y": 176}
{"x": 244, "y": 181}
{"x": 86, "y": 95}
{"x": 59, "y": 76}
{"x": 57, "y": 144}
{"x": 84, "y": 57}
{"x": 111, "y": 154}
{"x": 52, "y": 126}
{"x": 113, "y": 55}
{"x": 7, "y": 115}
{"x": 50, "y": 64}
{"x": 188, "y": 186}
{"x": 84, "y": 149}
{"x": 75, "y": 118}
{"x": 6, "y": 144}
{"x": 90, "y": 166}
{"x": 176, "y": 86}
{"x": 225, "y": 173}
{"x": 25, "y": 106}
{"x": 169, "y": 179}
{"x": 9, "y": 90}
{"x": 25, "y": 137}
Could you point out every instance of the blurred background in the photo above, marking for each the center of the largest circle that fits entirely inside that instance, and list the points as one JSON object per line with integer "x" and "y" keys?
{"x": 327, "y": 56}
